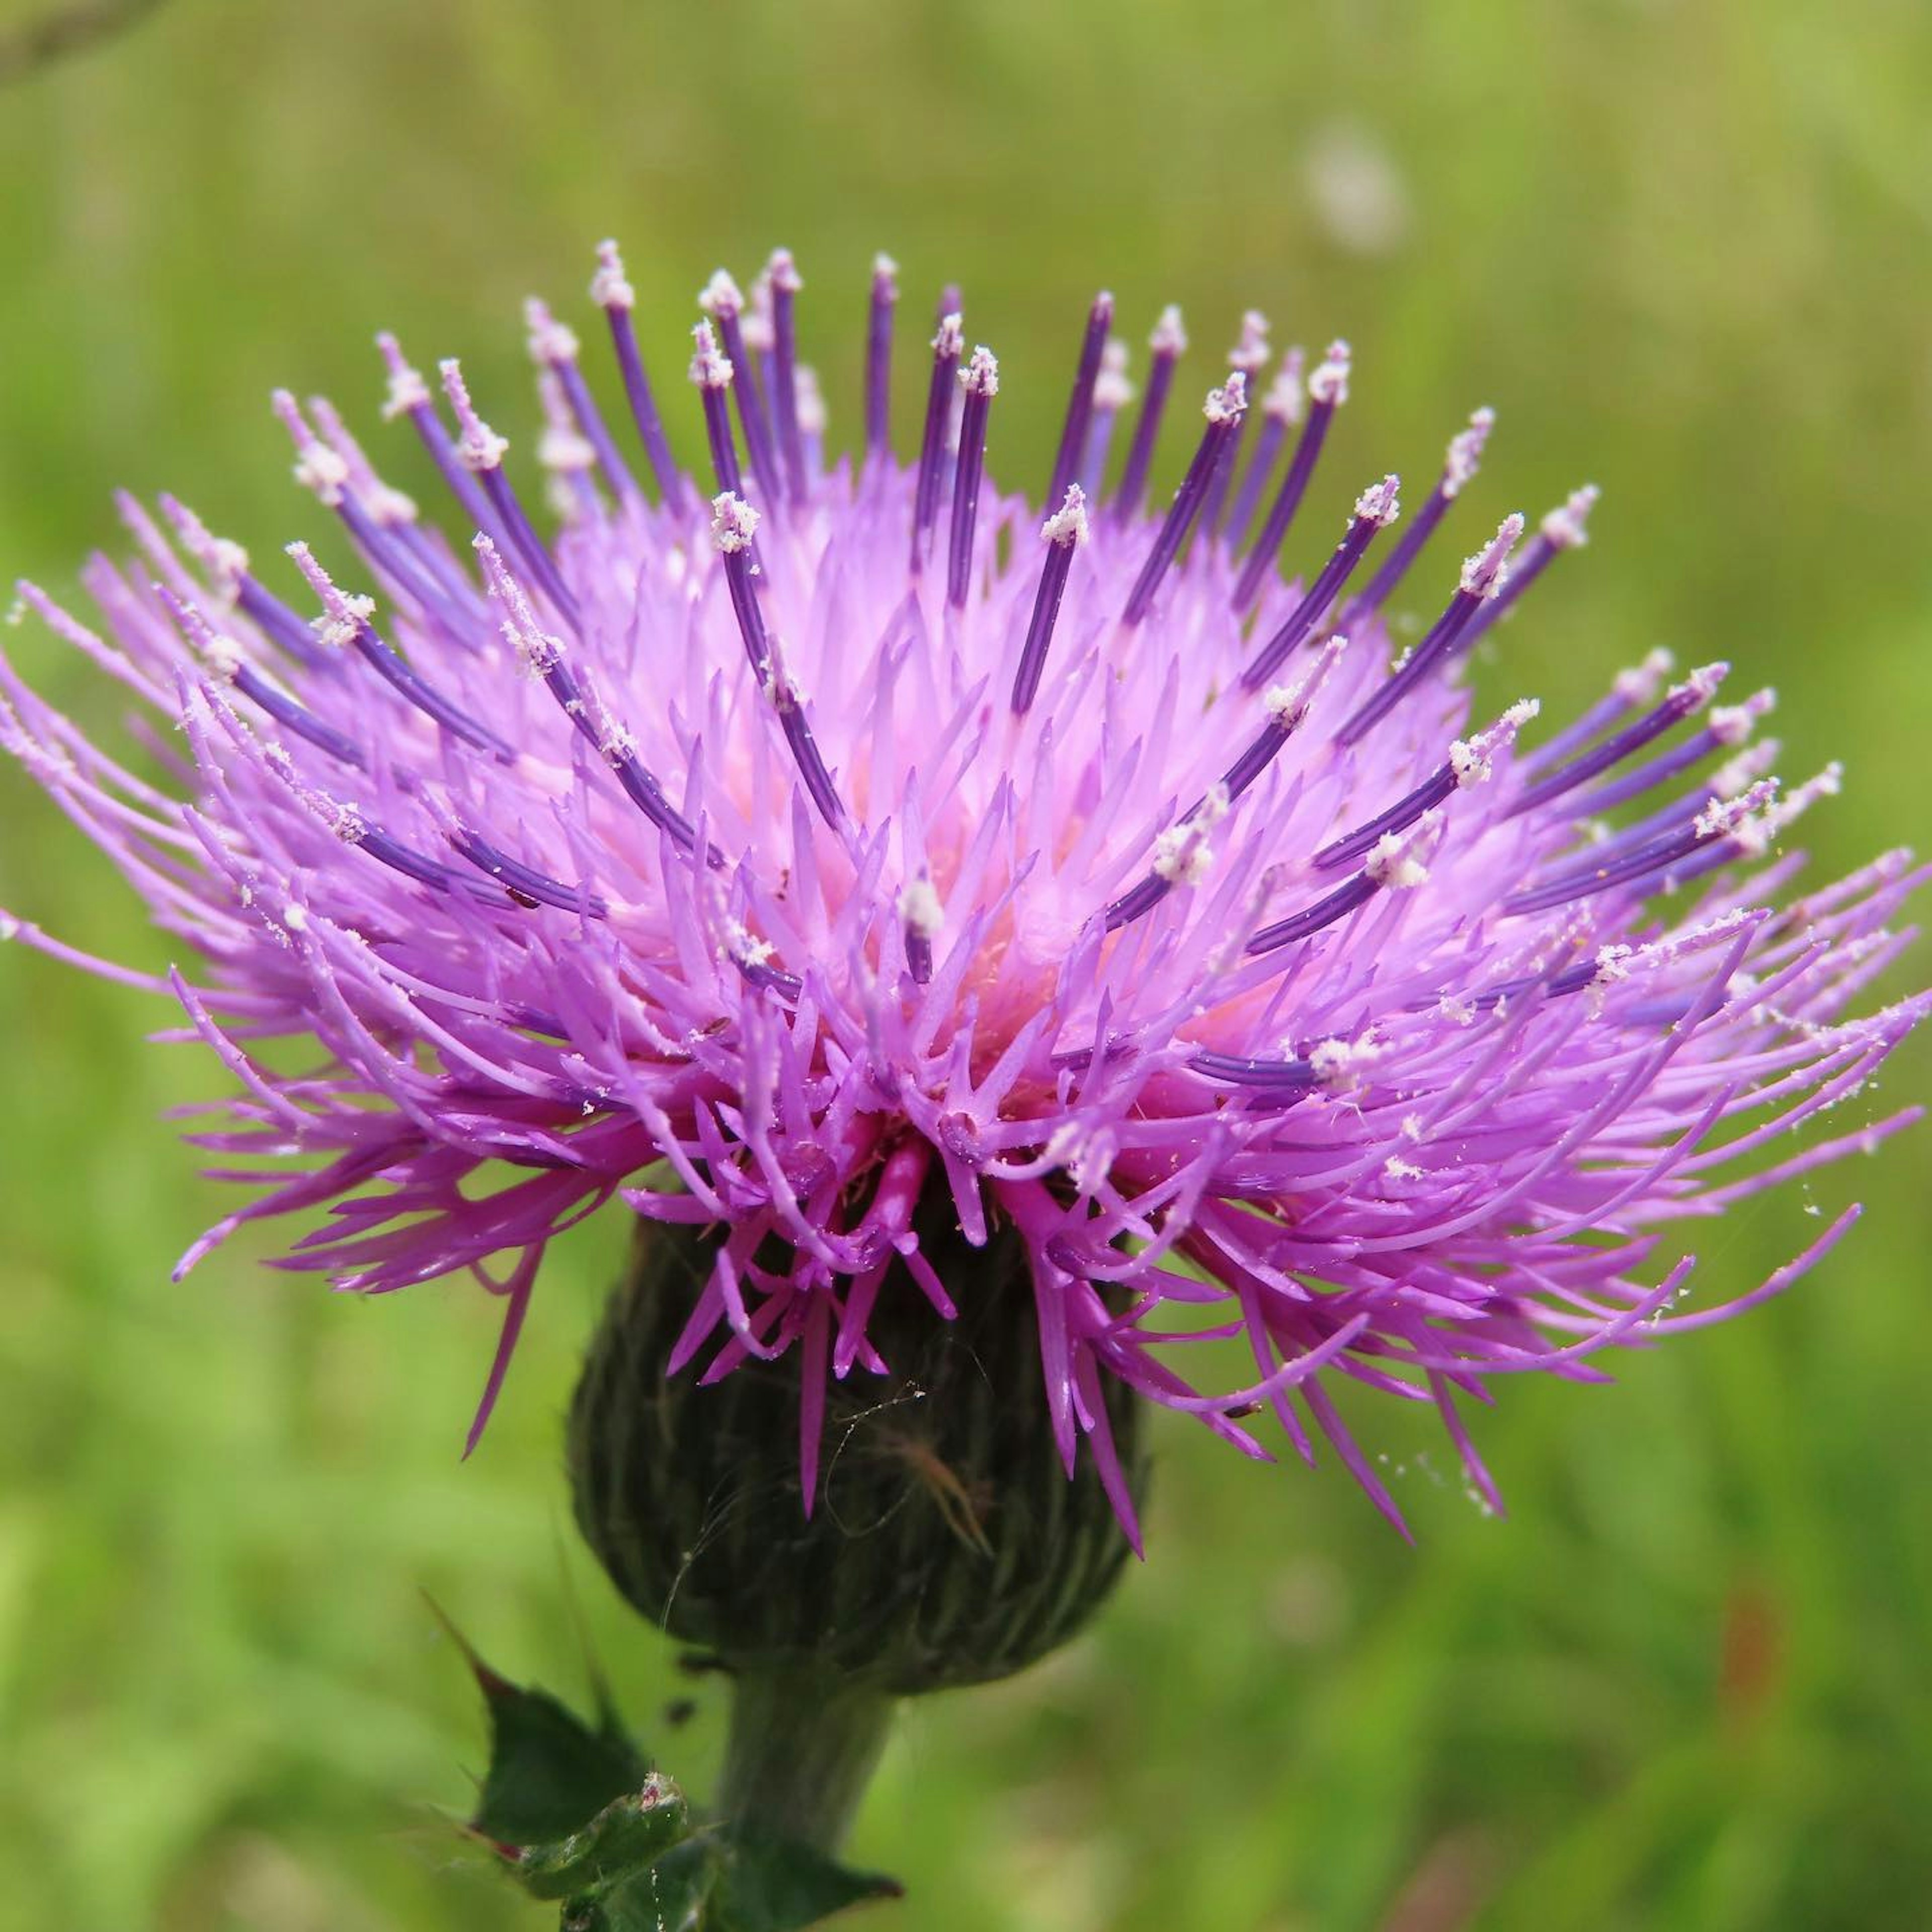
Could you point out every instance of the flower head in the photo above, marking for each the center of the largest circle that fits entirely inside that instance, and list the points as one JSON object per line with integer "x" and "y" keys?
{"x": 787, "y": 851}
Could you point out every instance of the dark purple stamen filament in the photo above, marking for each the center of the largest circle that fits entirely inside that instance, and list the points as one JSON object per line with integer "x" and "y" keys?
{"x": 1657, "y": 771}
{"x": 296, "y": 717}
{"x": 1286, "y": 718}
{"x": 946, "y": 345}
{"x": 1224, "y": 411}
{"x": 1459, "y": 467}
{"x": 1326, "y": 400}
{"x": 879, "y": 357}
{"x": 596, "y": 430}
{"x": 1260, "y": 466}
{"x": 726, "y": 308}
{"x": 1302, "y": 925}
{"x": 1064, "y": 532}
{"x": 429, "y": 701}
{"x": 1406, "y": 810}
{"x": 613, "y": 293}
{"x": 714, "y": 373}
{"x": 981, "y": 381}
{"x": 521, "y": 881}
{"x": 442, "y": 451}
{"x": 1562, "y": 529}
{"x": 785, "y": 285}
{"x": 806, "y": 754}
{"x": 413, "y": 865}
{"x": 1678, "y": 703}
{"x": 1167, "y": 342}
{"x": 528, "y": 545}
{"x": 1647, "y": 859}
{"x": 1375, "y": 511}
{"x": 1080, "y": 403}
{"x": 732, "y": 523}
{"x": 640, "y": 786}
{"x": 279, "y": 621}
{"x": 1450, "y": 632}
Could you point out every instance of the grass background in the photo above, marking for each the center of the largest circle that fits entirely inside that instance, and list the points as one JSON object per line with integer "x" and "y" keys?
{"x": 1683, "y": 248}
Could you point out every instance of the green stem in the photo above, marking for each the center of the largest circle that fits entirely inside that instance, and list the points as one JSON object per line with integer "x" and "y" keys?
{"x": 802, "y": 1747}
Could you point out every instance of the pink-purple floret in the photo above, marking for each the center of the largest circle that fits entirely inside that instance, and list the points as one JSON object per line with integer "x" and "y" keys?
{"x": 710, "y": 854}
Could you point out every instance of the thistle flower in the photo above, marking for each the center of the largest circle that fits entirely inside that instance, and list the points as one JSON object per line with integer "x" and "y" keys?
{"x": 819, "y": 856}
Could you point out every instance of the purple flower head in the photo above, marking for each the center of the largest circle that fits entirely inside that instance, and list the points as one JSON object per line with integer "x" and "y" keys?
{"x": 781, "y": 849}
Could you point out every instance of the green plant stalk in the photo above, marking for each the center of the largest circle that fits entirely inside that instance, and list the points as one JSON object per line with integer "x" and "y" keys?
{"x": 801, "y": 1747}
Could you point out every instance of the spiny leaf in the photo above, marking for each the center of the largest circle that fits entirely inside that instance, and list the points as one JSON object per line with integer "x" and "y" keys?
{"x": 551, "y": 1774}
{"x": 624, "y": 1837}
{"x": 725, "y": 1880}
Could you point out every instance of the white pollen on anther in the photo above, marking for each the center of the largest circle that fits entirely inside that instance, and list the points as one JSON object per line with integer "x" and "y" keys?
{"x": 1566, "y": 526}
{"x": 812, "y": 416}
{"x": 885, "y": 269}
{"x": 920, "y": 909}
{"x": 1181, "y": 854}
{"x": 734, "y": 523}
{"x": 1639, "y": 684}
{"x": 608, "y": 287}
{"x": 1759, "y": 833}
{"x": 1749, "y": 764}
{"x": 550, "y": 341}
{"x": 1068, "y": 524}
{"x": 720, "y": 296}
{"x": 740, "y": 944}
{"x": 317, "y": 466}
{"x": 407, "y": 389}
{"x": 1229, "y": 403}
{"x": 1396, "y": 1169}
{"x": 1465, "y": 454}
{"x": 343, "y": 616}
{"x": 1288, "y": 704}
{"x": 1485, "y": 574}
{"x": 981, "y": 375}
{"x": 1170, "y": 333}
{"x": 223, "y": 657}
{"x": 1251, "y": 353}
{"x": 760, "y": 333}
{"x": 1731, "y": 723}
{"x": 562, "y": 448}
{"x": 1701, "y": 684}
{"x": 1112, "y": 390}
{"x": 225, "y": 561}
{"x": 1472, "y": 760}
{"x": 478, "y": 447}
{"x": 1723, "y": 816}
{"x": 783, "y": 271}
{"x": 1287, "y": 392}
{"x": 295, "y": 917}
{"x": 1330, "y": 381}
{"x": 949, "y": 343}
{"x": 1392, "y": 862}
{"x": 710, "y": 366}
{"x": 1343, "y": 1062}
{"x": 1381, "y": 501}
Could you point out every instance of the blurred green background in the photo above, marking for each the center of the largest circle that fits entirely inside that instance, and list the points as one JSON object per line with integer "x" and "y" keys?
{"x": 1683, "y": 248}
